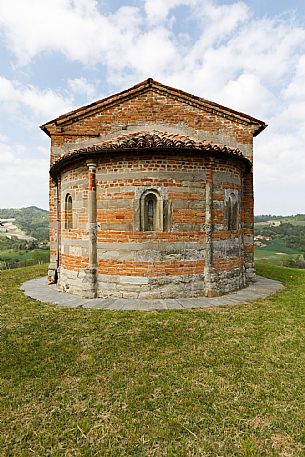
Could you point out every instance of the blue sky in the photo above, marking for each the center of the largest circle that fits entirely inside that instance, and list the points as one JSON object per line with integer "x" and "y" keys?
{"x": 56, "y": 55}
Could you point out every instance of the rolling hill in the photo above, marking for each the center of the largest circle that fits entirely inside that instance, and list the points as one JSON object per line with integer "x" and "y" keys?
{"x": 33, "y": 221}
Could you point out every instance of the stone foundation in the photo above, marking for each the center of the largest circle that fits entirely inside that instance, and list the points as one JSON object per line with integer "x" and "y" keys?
{"x": 82, "y": 283}
{"x": 183, "y": 286}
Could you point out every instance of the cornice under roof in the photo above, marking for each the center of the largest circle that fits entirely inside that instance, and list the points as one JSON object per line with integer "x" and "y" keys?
{"x": 147, "y": 141}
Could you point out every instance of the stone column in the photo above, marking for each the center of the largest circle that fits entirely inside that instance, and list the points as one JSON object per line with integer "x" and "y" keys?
{"x": 55, "y": 219}
{"x": 58, "y": 217}
{"x": 248, "y": 226}
{"x": 210, "y": 275}
{"x": 240, "y": 229}
{"x": 89, "y": 290}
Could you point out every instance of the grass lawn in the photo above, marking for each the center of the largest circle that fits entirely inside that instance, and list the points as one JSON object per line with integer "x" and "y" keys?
{"x": 21, "y": 254}
{"x": 11, "y": 256}
{"x": 278, "y": 246}
{"x": 220, "y": 382}
{"x": 275, "y": 253}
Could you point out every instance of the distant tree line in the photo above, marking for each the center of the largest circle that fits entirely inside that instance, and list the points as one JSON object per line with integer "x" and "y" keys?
{"x": 270, "y": 217}
{"x": 293, "y": 236}
{"x": 266, "y": 217}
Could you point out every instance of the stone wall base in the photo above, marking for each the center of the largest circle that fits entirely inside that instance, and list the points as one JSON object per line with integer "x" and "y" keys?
{"x": 88, "y": 284}
{"x": 222, "y": 282}
{"x": 52, "y": 273}
{"x": 250, "y": 273}
{"x": 150, "y": 288}
{"x": 82, "y": 283}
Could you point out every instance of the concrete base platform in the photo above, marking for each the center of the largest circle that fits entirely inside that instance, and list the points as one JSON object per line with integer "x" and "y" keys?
{"x": 40, "y": 290}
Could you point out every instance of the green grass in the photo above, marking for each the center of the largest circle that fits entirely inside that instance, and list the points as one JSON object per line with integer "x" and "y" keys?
{"x": 277, "y": 245}
{"x": 11, "y": 256}
{"x": 275, "y": 252}
{"x": 220, "y": 382}
{"x": 24, "y": 254}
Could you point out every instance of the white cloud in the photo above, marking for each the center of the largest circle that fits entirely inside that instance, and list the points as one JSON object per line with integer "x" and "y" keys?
{"x": 225, "y": 54}
{"x": 74, "y": 28}
{"x": 218, "y": 22}
{"x": 248, "y": 94}
{"x": 39, "y": 104}
{"x": 278, "y": 160}
{"x": 158, "y": 10}
{"x": 24, "y": 176}
{"x": 3, "y": 137}
{"x": 296, "y": 88}
{"x": 82, "y": 86}
{"x": 155, "y": 53}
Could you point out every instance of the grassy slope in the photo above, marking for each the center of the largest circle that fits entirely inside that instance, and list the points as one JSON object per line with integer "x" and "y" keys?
{"x": 275, "y": 245}
{"x": 25, "y": 255}
{"x": 219, "y": 382}
{"x": 32, "y": 220}
{"x": 275, "y": 252}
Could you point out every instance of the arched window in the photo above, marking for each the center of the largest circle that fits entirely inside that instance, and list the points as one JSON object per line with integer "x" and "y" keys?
{"x": 232, "y": 212}
{"x": 150, "y": 212}
{"x": 68, "y": 212}
{"x": 151, "y": 208}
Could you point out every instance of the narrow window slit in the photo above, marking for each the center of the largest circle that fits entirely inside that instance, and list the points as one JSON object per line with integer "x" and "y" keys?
{"x": 68, "y": 212}
{"x": 151, "y": 211}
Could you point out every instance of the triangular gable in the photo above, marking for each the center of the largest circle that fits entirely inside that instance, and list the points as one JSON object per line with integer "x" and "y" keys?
{"x": 147, "y": 85}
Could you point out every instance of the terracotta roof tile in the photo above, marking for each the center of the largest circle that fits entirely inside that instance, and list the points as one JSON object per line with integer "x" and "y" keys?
{"x": 152, "y": 139}
{"x": 157, "y": 139}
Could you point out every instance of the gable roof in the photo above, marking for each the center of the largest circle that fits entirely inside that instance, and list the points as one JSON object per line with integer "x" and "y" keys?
{"x": 143, "y": 87}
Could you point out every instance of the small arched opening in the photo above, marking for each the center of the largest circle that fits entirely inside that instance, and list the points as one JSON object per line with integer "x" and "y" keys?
{"x": 68, "y": 212}
{"x": 232, "y": 212}
{"x": 151, "y": 207}
{"x": 150, "y": 212}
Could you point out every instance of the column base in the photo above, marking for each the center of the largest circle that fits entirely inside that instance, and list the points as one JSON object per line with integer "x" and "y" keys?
{"x": 211, "y": 283}
{"x": 89, "y": 285}
{"x": 52, "y": 273}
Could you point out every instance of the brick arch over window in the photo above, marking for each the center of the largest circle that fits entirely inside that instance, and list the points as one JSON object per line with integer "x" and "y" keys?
{"x": 151, "y": 211}
{"x": 68, "y": 212}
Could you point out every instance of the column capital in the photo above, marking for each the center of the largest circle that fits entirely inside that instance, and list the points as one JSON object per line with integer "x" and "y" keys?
{"x": 91, "y": 165}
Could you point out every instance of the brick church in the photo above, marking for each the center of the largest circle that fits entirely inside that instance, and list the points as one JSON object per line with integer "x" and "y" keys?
{"x": 151, "y": 196}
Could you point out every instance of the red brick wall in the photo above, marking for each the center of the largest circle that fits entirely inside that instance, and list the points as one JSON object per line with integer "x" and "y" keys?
{"x": 185, "y": 192}
{"x": 152, "y": 108}
{"x": 119, "y": 177}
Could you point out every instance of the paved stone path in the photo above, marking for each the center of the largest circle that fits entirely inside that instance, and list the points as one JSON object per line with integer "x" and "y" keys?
{"x": 38, "y": 289}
